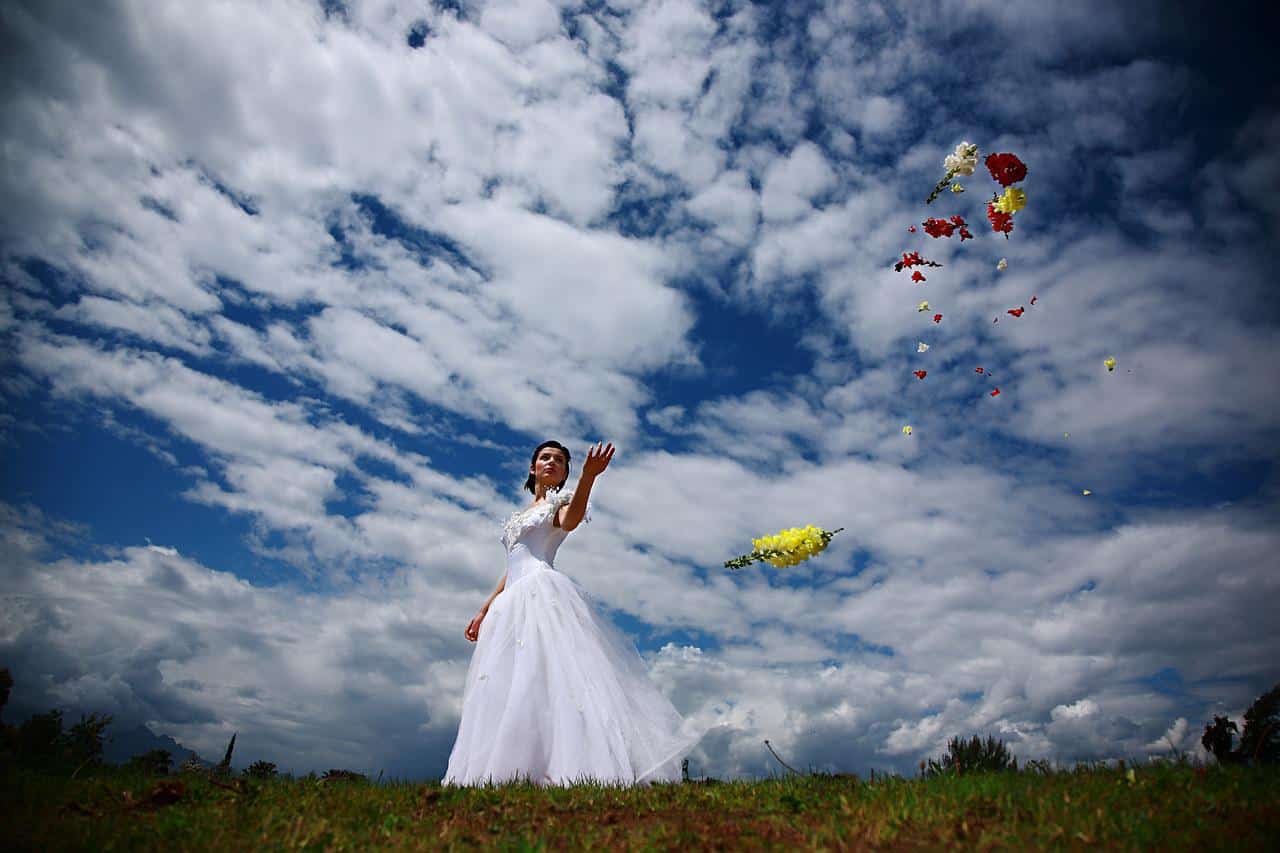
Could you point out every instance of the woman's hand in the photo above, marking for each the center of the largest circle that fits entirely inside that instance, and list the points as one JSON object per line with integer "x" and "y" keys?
{"x": 473, "y": 629}
{"x": 597, "y": 460}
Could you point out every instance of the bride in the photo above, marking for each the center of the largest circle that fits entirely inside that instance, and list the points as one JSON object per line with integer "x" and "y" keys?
{"x": 555, "y": 693}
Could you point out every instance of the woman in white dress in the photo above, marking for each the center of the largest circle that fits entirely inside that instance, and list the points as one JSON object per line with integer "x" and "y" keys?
{"x": 555, "y": 693}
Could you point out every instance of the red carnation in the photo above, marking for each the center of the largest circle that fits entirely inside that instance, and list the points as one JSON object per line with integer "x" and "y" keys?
{"x": 1017, "y": 312}
{"x": 1006, "y": 168}
{"x": 938, "y": 227}
{"x": 917, "y": 276}
{"x": 999, "y": 221}
{"x": 995, "y": 393}
{"x": 937, "y": 318}
{"x": 977, "y": 370}
{"x": 920, "y": 374}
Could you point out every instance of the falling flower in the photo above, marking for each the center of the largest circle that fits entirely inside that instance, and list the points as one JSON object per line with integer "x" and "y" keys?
{"x": 920, "y": 374}
{"x": 1033, "y": 299}
{"x": 923, "y": 306}
{"x": 786, "y": 548}
{"x": 937, "y": 318}
{"x": 1066, "y": 435}
{"x": 956, "y": 188}
{"x": 918, "y": 276}
{"x": 946, "y": 227}
{"x": 1002, "y": 265}
{"x": 938, "y": 227}
{"x": 995, "y": 392}
{"x": 911, "y": 228}
{"x": 1086, "y": 492}
{"x": 962, "y": 162}
{"x": 922, "y": 347}
{"x": 911, "y": 260}
{"x": 906, "y": 430}
{"x": 978, "y": 370}
{"x": 999, "y": 221}
{"x": 1013, "y": 200}
{"x": 1110, "y": 363}
{"x": 1017, "y": 312}
{"x": 1006, "y": 168}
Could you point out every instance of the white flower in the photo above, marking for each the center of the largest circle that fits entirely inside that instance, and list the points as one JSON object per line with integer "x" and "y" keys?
{"x": 922, "y": 347}
{"x": 963, "y": 161}
{"x": 1003, "y": 265}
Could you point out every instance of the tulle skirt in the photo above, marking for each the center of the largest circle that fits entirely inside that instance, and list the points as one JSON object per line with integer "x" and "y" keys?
{"x": 556, "y": 694}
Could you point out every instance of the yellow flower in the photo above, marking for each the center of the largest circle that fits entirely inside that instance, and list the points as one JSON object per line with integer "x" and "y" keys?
{"x": 906, "y": 430}
{"x": 787, "y": 547}
{"x": 923, "y": 306}
{"x": 1110, "y": 363}
{"x": 1086, "y": 493}
{"x": 956, "y": 188}
{"x": 1012, "y": 201}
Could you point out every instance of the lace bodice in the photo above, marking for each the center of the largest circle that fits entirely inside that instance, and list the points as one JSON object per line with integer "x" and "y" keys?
{"x": 531, "y": 537}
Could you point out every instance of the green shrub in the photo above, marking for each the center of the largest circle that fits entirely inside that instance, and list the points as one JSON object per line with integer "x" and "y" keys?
{"x": 972, "y": 756}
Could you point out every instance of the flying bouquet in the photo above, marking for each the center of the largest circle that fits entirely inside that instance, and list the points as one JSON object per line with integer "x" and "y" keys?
{"x": 785, "y": 548}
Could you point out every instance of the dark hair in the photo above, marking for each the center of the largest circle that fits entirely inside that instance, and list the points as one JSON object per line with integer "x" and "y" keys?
{"x": 531, "y": 483}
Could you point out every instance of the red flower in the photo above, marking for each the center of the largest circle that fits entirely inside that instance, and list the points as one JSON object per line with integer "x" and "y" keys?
{"x": 999, "y": 221}
{"x": 978, "y": 370}
{"x": 957, "y": 221}
{"x": 918, "y": 276}
{"x": 938, "y": 227}
{"x": 937, "y": 318}
{"x": 965, "y": 235}
{"x": 1017, "y": 312}
{"x": 995, "y": 392}
{"x": 1033, "y": 299}
{"x": 911, "y": 228}
{"x": 920, "y": 374}
{"x": 1006, "y": 168}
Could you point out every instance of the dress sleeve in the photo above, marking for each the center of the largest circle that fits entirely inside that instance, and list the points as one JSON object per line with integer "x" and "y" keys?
{"x": 563, "y": 498}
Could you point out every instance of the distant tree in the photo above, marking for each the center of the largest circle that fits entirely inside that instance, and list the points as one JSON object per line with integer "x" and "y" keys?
{"x": 261, "y": 770}
{"x": 1260, "y": 740}
{"x": 6, "y": 682}
{"x": 41, "y": 740}
{"x": 973, "y": 756}
{"x": 39, "y": 736}
{"x": 1219, "y": 739}
{"x": 343, "y": 776}
{"x": 155, "y": 761}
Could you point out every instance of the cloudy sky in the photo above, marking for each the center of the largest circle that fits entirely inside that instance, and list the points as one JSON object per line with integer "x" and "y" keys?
{"x": 292, "y": 290}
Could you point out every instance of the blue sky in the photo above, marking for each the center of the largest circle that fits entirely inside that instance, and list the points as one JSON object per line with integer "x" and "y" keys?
{"x": 292, "y": 291}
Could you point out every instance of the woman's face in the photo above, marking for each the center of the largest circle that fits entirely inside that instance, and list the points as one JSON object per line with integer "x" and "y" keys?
{"x": 549, "y": 467}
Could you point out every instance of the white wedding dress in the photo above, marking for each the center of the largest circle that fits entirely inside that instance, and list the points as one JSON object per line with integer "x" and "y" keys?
{"x": 555, "y": 693}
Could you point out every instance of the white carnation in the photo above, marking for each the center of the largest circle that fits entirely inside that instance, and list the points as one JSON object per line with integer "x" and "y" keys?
{"x": 963, "y": 161}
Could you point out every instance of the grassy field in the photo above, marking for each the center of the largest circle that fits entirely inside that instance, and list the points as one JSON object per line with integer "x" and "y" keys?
{"x": 1153, "y": 807}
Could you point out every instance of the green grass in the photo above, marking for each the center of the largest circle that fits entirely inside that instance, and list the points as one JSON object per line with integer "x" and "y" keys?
{"x": 1166, "y": 806}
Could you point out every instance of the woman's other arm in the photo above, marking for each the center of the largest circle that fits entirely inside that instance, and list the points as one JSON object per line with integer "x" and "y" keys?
{"x": 473, "y": 628}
